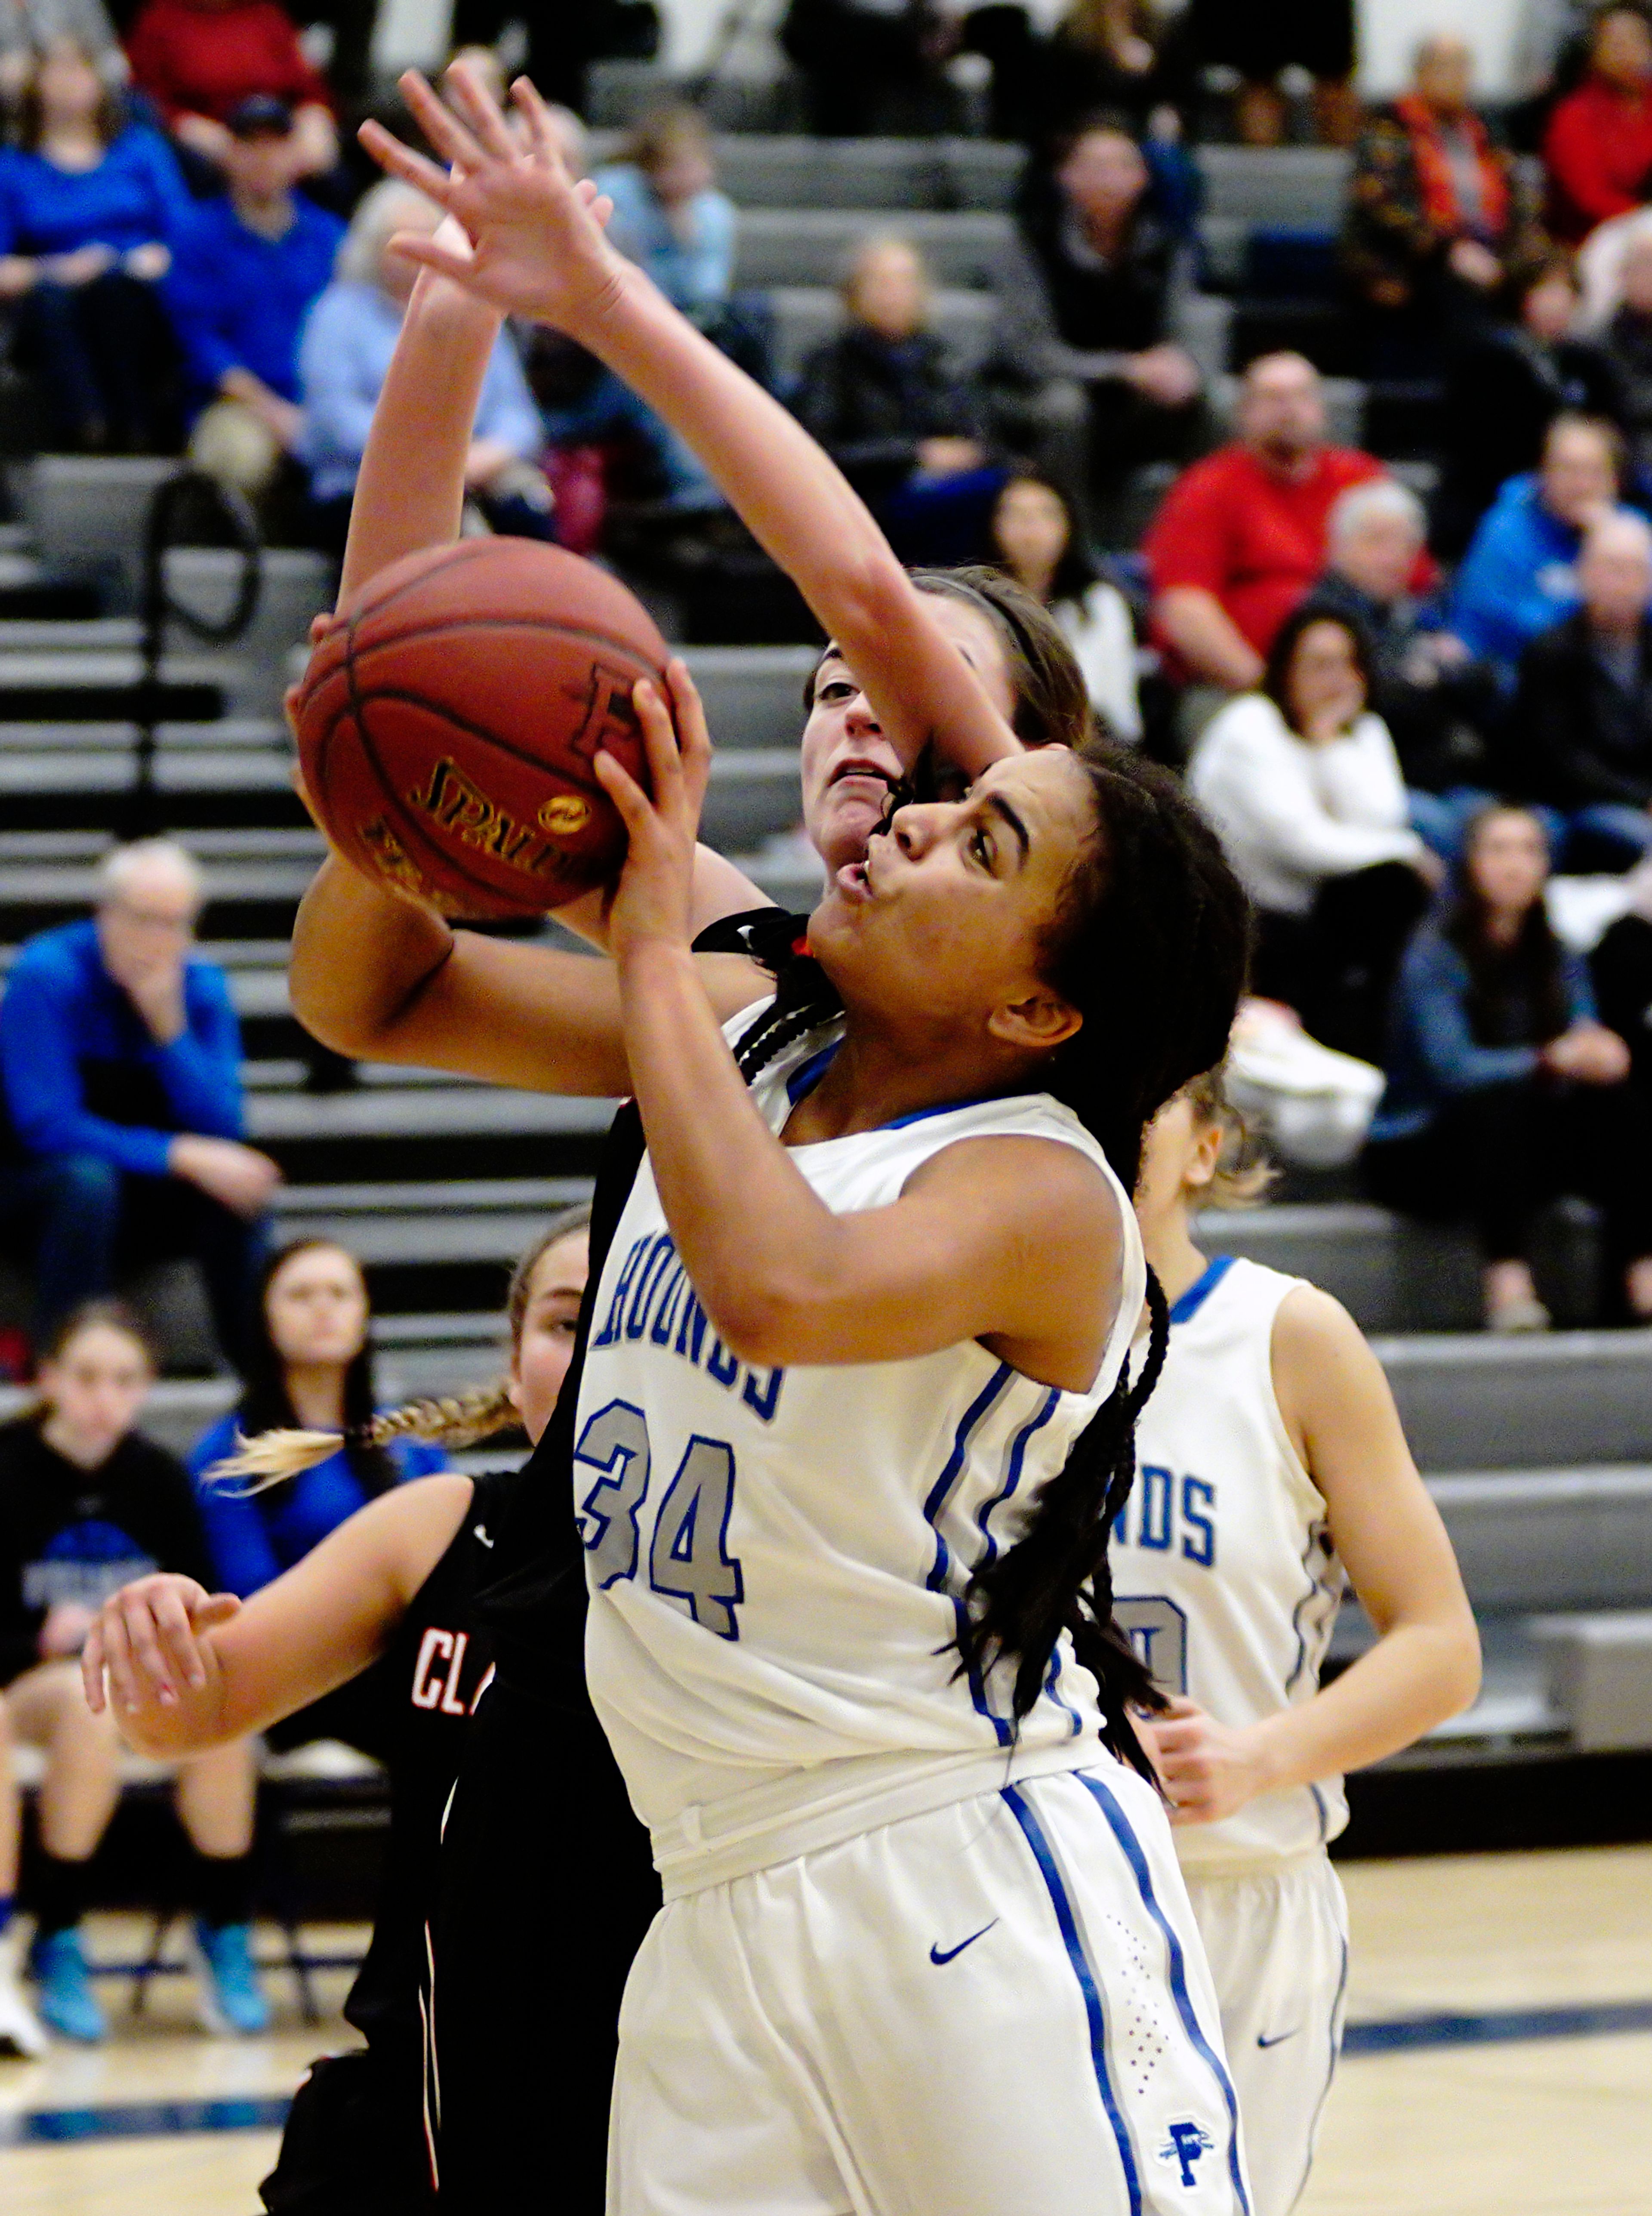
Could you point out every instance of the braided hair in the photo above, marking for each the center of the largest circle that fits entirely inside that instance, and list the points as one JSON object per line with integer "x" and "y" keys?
{"x": 1150, "y": 944}
{"x": 453, "y": 1421}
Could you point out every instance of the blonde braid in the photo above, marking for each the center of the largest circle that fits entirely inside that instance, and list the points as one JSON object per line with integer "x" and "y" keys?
{"x": 453, "y": 1421}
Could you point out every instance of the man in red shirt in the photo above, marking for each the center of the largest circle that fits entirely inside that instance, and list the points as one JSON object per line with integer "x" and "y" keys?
{"x": 1599, "y": 145}
{"x": 1241, "y": 536}
{"x": 200, "y": 60}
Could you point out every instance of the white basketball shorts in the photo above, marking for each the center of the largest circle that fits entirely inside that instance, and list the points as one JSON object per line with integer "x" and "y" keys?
{"x": 1277, "y": 1944}
{"x": 996, "y": 2008}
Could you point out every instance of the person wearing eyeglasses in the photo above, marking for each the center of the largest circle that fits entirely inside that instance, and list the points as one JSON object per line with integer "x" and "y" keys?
{"x": 120, "y": 1062}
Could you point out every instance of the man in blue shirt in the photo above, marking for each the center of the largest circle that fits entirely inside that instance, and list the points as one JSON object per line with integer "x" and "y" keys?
{"x": 246, "y": 271}
{"x": 120, "y": 1057}
{"x": 1519, "y": 574}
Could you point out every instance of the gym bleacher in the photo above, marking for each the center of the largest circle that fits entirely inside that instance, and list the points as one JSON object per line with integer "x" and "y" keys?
{"x": 1537, "y": 1452}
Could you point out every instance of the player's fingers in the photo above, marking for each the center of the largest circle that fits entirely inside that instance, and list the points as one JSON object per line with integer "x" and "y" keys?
{"x": 623, "y": 788}
{"x": 481, "y": 112}
{"x": 416, "y": 170}
{"x": 91, "y": 1668}
{"x": 660, "y": 744}
{"x": 440, "y": 125}
{"x": 525, "y": 98}
{"x": 176, "y": 1635}
{"x": 118, "y": 1659}
{"x": 139, "y": 1617}
{"x": 413, "y": 246}
{"x": 688, "y": 712}
{"x": 216, "y": 1608}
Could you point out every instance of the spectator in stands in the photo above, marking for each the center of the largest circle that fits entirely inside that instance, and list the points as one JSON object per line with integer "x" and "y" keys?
{"x": 1519, "y": 576}
{"x": 1627, "y": 339}
{"x": 91, "y": 207}
{"x": 121, "y": 1060}
{"x": 1436, "y": 702}
{"x": 250, "y": 266}
{"x": 1091, "y": 302}
{"x": 310, "y": 1368}
{"x": 1597, "y": 147}
{"x": 1241, "y": 536}
{"x": 1437, "y": 216}
{"x": 26, "y": 26}
{"x": 1121, "y": 54}
{"x": 1505, "y": 389}
{"x": 1034, "y": 540}
{"x": 1580, "y": 735}
{"x": 1620, "y": 969}
{"x": 1601, "y": 268}
{"x": 871, "y": 68}
{"x": 1301, "y": 782}
{"x": 1261, "y": 43}
{"x": 885, "y": 403}
{"x": 345, "y": 353}
{"x": 670, "y": 217}
{"x": 1504, "y": 1088}
{"x": 87, "y": 1503}
{"x": 199, "y": 60}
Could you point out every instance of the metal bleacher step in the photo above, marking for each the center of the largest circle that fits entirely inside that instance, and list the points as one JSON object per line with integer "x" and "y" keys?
{"x": 429, "y": 1225}
{"x": 757, "y": 170}
{"x": 1554, "y": 1538}
{"x": 1476, "y": 1402}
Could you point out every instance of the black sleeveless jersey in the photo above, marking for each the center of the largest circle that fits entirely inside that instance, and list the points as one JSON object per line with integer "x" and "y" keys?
{"x": 359, "y": 2138}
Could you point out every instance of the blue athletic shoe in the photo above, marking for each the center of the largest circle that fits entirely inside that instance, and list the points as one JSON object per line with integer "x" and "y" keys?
{"x": 229, "y": 1995}
{"x": 67, "y": 2002}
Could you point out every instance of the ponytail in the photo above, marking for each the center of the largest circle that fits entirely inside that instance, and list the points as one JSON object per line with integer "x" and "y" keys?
{"x": 460, "y": 1420}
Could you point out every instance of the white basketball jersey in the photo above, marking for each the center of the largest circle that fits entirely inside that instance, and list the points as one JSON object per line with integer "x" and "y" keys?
{"x": 1224, "y": 1570}
{"x": 777, "y": 1557}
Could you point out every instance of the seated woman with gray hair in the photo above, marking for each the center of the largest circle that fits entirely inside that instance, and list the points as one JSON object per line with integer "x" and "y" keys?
{"x": 344, "y": 356}
{"x": 892, "y": 411}
{"x": 1439, "y": 704}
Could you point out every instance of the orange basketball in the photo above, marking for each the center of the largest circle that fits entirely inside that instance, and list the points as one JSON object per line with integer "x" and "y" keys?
{"x": 448, "y": 726}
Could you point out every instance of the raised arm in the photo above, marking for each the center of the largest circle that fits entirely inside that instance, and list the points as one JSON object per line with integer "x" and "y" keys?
{"x": 537, "y": 251}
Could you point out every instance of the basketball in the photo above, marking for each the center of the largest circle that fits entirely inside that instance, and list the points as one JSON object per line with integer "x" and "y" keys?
{"x": 448, "y": 727}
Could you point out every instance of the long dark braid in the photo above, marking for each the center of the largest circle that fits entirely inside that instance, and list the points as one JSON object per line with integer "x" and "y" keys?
{"x": 1152, "y": 948}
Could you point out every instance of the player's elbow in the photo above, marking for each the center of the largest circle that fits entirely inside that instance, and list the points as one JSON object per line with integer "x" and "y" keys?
{"x": 1462, "y": 1670}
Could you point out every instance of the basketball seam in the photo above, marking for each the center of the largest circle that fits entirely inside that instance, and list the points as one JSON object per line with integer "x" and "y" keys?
{"x": 580, "y": 632}
{"x": 441, "y": 709}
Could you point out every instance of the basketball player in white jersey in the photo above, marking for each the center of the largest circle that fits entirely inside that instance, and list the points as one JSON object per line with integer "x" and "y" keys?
{"x": 1271, "y": 1473}
{"x": 852, "y": 1428}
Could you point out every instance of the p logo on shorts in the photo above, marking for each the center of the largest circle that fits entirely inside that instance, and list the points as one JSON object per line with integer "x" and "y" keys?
{"x": 1187, "y": 2142}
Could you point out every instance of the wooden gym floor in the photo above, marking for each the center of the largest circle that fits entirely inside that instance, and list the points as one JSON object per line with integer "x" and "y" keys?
{"x": 1500, "y": 2062}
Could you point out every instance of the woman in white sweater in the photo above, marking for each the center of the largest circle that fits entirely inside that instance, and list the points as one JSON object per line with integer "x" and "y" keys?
{"x": 1302, "y": 782}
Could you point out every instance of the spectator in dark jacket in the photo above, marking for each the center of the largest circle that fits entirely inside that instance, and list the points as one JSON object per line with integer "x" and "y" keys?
{"x": 1438, "y": 217}
{"x": 1627, "y": 339}
{"x": 906, "y": 430}
{"x": 1579, "y": 736}
{"x": 1091, "y": 302}
{"x": 121, "y": 1059}
{"x": 87, "y": 1504}
{"x": 1508, "y": 387}
{"x": 249, "y": 266}
{"x": 1504, "y": 1090}
{"x": 90, "y": 207}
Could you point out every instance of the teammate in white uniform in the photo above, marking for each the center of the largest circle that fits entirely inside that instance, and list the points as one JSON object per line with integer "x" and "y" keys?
{"x": 1268, "y": 1457}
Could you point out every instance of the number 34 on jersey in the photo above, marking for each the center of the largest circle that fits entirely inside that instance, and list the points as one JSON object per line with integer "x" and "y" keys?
{"x": 688, "y": 1563}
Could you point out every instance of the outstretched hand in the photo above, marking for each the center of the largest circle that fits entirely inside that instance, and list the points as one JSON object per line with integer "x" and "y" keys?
{"x": 148, "y": 1638}
{"x": 536, "y": 238}
{"x": 653, "y": 903}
